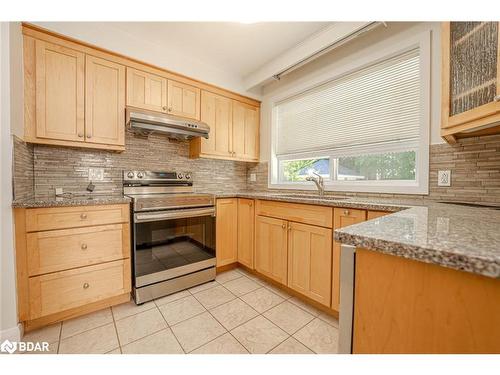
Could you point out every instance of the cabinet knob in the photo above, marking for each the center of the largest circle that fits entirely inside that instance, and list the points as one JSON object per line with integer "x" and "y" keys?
{"x": 289, "y": 227}
{"x": 89, "y": 135}
{"x": 164, "y": 107}
{"x": 346, "y": 212}
{"x": 84, "y": 246}
{"x": 86, "y": 286}
{"x": 283, "y": 226}
{"x": 250, "y": 204}
{"x": 170, "y": 109}
{"x": 496, "y": 98}
{"x": 80, "y": 135}
{"x": 83, "y": 216}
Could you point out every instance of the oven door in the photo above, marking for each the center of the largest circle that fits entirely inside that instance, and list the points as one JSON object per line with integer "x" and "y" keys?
{"x": 169, "y": 244}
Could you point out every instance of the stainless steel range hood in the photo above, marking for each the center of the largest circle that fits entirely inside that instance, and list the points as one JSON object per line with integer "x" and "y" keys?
{"x": 147, "y": 122}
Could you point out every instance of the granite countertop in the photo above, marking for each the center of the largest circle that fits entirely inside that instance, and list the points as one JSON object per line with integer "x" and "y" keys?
{"x": 453, "y": 236}
{"x": 76, "y": 200}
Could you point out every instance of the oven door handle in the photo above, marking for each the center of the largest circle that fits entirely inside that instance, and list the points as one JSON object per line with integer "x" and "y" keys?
{"x": 175, "y": 214}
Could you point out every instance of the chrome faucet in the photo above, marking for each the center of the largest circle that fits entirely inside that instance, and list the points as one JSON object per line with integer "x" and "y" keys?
{"x": 318, "y": 180}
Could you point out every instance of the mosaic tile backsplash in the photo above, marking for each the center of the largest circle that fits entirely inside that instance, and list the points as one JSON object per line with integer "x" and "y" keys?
{"x": 474, "y": 162}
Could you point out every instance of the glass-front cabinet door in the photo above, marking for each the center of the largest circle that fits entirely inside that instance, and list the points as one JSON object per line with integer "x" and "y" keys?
{"x": 471, "y": 70}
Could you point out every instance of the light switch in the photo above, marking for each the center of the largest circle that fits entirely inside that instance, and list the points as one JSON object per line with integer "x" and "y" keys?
{"x": 444, "y": 178}
{"x": 96, "y": 174}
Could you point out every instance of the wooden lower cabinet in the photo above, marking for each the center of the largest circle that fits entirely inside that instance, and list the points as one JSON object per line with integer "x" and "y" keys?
{"x": 342, "y": 217}
{"x": 309, "y": 261}
{"x": 246, "y": 232}
{"x": 271, "y": 248}
{"x": 226, "y": 236}
{"x": 376, "y": 214}
{"x": 407, "y": 306}
{"x": 71, "y": 261}
{"x": 59, "y": 291}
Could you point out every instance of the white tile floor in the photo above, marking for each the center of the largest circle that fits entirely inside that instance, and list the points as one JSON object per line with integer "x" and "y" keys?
{"x": 236, "y": 314}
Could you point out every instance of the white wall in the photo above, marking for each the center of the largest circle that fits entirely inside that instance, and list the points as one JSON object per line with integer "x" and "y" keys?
{"x": 105, "y": 35}
{"x": 8, "y": 305}
{"x": 366, "y": 45}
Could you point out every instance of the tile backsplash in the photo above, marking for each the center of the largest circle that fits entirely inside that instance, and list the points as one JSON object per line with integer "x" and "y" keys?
{"x": 67, "y": 168}
{"x": 38, "y": 169}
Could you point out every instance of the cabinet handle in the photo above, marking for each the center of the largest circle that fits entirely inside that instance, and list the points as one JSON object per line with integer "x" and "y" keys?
{"x": 84, "y": 246}
{"x": 89, "y": 135}
{"x": 250, "y": 204}
{"x": 164, "y": 107}
{"x": 283, "y": 226}
{"x": 170, "y": 109}
{"x": 86, "y": 286}
{"x": 346, "y": 212}
{"x": 83, "y": 216}
{"x": 289, "y": 227}
{"x": 80, "y": 135}
{"x": 496, "y": 98}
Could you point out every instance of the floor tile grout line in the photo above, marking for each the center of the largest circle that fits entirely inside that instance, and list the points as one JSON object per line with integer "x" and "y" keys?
{"x": 274, "y": 347}
{"x": 297, "y": 330}
{"x": 89, "y": 329}
{"x": 140, "y": 338}
{"x": 116, "y": 331}
{"x": 183, "y": 320}
{"x": 229, "y": 331}
{"x": 60, "y": 339}
{"x": 171, "y": 330}
{"x": 136, "y": 313}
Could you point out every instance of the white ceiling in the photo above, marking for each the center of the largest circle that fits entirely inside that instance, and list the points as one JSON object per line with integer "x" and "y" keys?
{"x": 234, "y": 47}
{"x": 222, "y": 53}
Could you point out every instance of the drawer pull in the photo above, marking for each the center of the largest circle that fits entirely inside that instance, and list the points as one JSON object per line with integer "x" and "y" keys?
{"x": 84, "y": 246}
{"x": 83, "y": 216}
{"x": 283, "y": 226}
{"x": 346, "y": 212}
{"x": 86, "y": 286}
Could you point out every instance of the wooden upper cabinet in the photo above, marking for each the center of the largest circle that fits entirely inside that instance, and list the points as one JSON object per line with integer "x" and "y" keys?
{"x": 245, "y": 131}
{"x": 470, "y": 79}
{"x": 183, "y": 100}
{"x": 104, "y": 102}
{"x": 342, "y": 217}
{"x": 146, "y": 90}
{"x": 234, "y": 129}
{"x": 271, "y": 248}
{"x": 246, "y": 226}
{"x": 227, "y": 231}
{"x": 216, "y": 111}
{"x": 60, "y": 92}
{"x": 309, "y": 261}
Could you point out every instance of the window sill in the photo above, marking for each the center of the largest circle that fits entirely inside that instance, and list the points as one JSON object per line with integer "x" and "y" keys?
{"x": 409, "y": 189}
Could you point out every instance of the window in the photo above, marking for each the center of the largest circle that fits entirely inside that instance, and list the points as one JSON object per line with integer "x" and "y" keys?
{"x": 361, "y": 131}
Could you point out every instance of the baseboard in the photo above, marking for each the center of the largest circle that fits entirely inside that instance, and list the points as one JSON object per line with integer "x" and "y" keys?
{"x": 13, "y": 334}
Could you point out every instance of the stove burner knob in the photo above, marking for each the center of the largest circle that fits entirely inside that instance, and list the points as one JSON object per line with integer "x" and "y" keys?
{"x": 180, "y": 176}
{"x": 140, "y": 175}
{"x": 188, "y": 176}
{"x": 130, "y": 174}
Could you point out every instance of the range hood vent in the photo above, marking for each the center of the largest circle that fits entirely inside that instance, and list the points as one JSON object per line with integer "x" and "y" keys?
{"x": 146, "y": 122}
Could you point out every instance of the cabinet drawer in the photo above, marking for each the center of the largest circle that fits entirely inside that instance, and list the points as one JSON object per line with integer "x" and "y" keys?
{"x": 300, "y": 213}
{"x": 58, "y": 250}
{"x": 60, "y": 291}
{"x": 38, "y": 219}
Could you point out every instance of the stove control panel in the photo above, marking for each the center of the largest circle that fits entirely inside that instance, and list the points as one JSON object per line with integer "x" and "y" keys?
{"x": 156, "y": 176}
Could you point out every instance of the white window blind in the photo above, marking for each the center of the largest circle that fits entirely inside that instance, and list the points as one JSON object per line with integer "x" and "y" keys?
{"x": 377, "y": 104}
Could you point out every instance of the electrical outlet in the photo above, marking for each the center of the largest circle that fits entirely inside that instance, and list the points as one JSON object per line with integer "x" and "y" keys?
{"x": 444, "y": 178}
{"x": 253, "y": 177}
{"x": 59, "y": 191}
{"x": 96, "y": 174}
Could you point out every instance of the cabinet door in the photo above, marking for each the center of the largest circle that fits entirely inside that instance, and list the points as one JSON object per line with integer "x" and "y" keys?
{"x": 245, "y": 131}
{"x": 246, "y": 219}
{"x": 183, "y": 100}
{"x": 342, "y": 217}
{"x": 309, "y": 261}
{"x": 226, "y": 231}
{"x": 216, "y": 111}
{"x": 375, "y": 214}
{"x": 471, "y": 71}
{"x": 104, "y": 102}
{"x": 146, "y": 91}
{"x": 59, "y": 92}
{"x": 271, "y": 248}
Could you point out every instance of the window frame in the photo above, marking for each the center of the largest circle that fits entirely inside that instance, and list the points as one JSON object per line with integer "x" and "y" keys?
{"x": 421, "y": 146}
